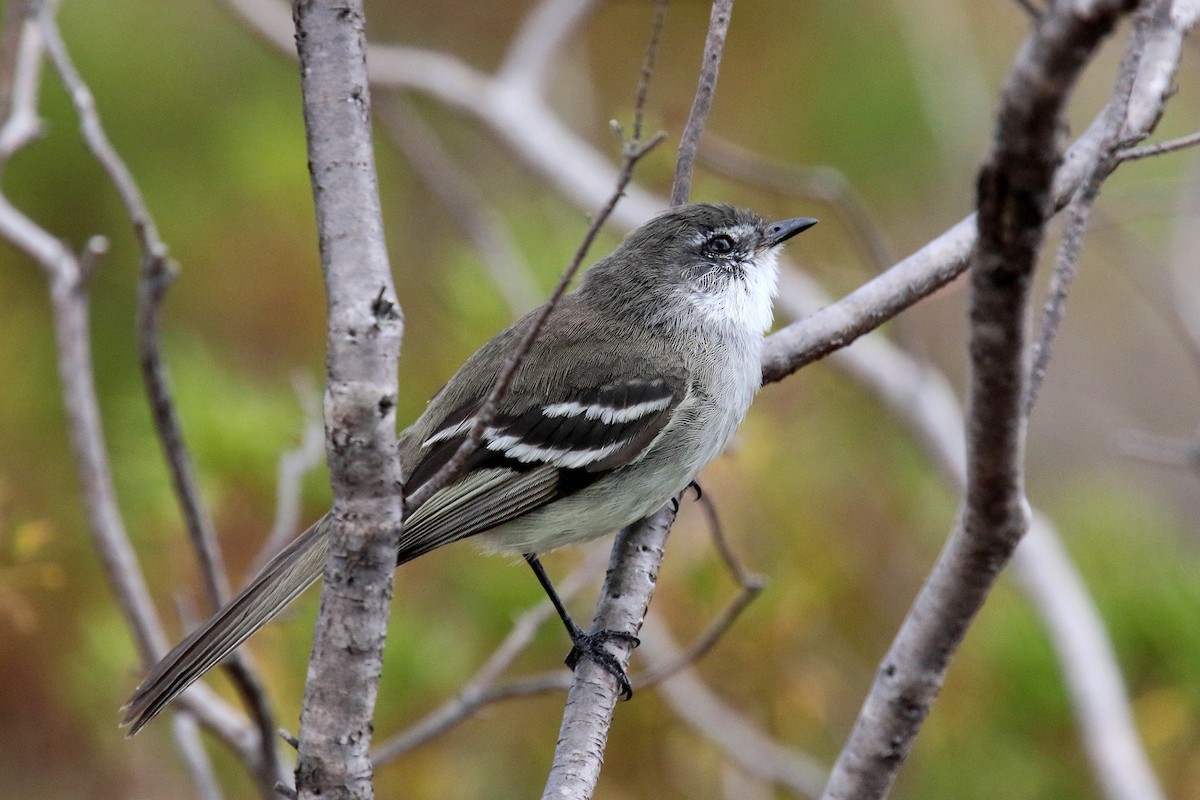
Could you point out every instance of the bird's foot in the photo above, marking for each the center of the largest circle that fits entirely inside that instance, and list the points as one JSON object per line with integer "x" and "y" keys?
{"x": 591, "y": 646}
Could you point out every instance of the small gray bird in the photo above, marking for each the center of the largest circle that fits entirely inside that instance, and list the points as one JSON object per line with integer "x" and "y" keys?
{"x": 638, "y": 379}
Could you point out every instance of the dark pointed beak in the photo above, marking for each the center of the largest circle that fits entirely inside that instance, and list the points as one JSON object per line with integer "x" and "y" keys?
{"x": 780, "y": 232}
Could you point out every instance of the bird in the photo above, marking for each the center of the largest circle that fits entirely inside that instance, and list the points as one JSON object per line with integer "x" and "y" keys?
{"x": 638, "y": 378}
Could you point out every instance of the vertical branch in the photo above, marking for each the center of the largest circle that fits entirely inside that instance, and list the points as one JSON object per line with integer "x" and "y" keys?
{"x": 1014, "y": 202}
{"x": 364, "y": 333}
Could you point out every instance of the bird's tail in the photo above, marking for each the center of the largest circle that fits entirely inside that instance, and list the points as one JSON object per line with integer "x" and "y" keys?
{"x": 287, "y": 575}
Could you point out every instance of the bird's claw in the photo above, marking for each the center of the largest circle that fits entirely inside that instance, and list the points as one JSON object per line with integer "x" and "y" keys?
{"x": 591, "y": 646}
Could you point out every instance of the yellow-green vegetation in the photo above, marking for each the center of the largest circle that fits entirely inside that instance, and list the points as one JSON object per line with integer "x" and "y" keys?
{"x": 823, "y": 492}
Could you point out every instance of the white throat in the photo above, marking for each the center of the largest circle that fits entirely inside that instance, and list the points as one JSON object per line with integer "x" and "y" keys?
{"x": 744, "y": 303}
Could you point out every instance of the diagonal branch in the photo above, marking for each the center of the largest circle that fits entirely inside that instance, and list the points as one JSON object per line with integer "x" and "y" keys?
{"x": 710, "y": 67}
{"x": 592, "y": 698}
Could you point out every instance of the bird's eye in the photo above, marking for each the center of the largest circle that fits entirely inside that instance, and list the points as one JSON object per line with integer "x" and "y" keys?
{"x": 719, "y": 245}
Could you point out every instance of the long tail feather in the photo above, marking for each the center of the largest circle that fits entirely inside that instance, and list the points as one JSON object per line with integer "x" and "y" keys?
{"x": 287, "y": 575}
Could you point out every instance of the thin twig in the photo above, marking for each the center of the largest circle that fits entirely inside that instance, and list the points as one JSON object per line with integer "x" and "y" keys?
{"x": 20, "y": 78}
{"x": 716, "y": 530}
{"x": 706, "y": 641}
{"x": 689, "y": 143}
{"x": 634, "y": 151}
{"x": 651, "y": 55}
{"x": 156, "y": 275}
{"x": 1066, "y": 267}
{"x": 750, "y": 586}
{"x": 1079, "y": 210}
{"x": 16, "y": 13}
{"x": 1149, "y": 150}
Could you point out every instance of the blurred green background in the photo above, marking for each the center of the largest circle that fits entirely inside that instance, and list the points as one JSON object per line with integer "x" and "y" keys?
{"x": 823, "y": 492}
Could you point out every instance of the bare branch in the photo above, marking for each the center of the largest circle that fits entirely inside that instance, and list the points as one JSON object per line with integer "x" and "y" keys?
{"x": 689, "y": 143}
{"x": 744, "y": 578}
{"x": 156, "y": 275}
{"x": 923, "y": 400}
{"x": 363, "y": 343}
{"x": 750, "y": 586}
{"x": 20, "y": 78}
{"x": 69, "y": 305}
{"x": 647, "y": 73}
{"x": 16, "y": 15}
{"x": 1066, "y": 267}
{"x": 707, "y": 640}
{"x": 945, "y": 257}
{"x": 1080, "y": 208}
{"x": 628, "y": 587}
{"x": 1160, "y": 148}
{"x": 580, "y": 173}
{"x": 1014, "y": 203}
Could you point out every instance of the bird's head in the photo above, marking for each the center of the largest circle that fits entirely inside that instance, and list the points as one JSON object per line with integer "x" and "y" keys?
{"x": 707, "y": 264}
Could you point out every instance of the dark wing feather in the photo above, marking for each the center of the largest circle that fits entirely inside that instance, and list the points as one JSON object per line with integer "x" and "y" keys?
{"x": 532, "y": 454}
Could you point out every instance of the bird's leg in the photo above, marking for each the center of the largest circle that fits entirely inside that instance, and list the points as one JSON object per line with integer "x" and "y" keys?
{"x": 589, "y": 645}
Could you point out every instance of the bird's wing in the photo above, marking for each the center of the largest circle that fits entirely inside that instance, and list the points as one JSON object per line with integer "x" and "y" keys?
{"x": 534, "y": 451}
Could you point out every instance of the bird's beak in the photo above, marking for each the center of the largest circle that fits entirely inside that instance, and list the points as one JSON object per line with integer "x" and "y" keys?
{"x": 780, "y": 232}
